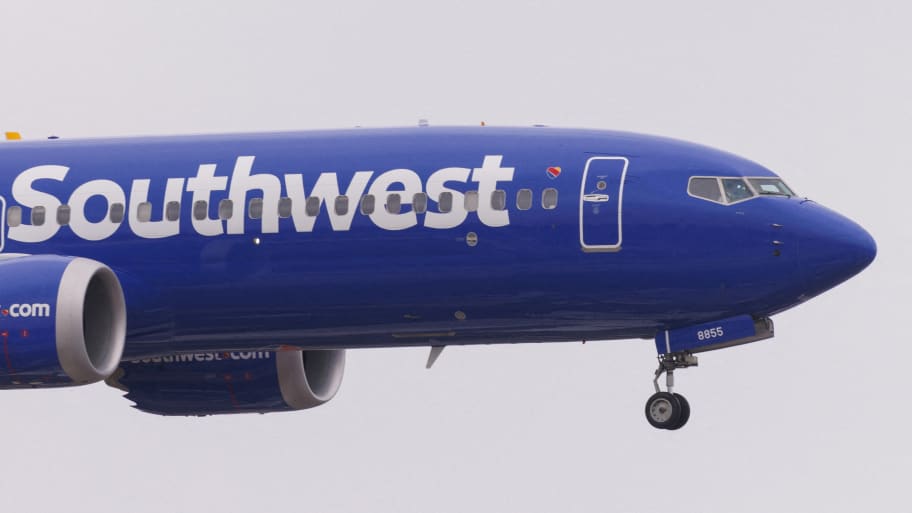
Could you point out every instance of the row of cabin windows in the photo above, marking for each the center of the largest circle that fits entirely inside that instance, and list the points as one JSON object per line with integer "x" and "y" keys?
{"x": 311, "y": 207}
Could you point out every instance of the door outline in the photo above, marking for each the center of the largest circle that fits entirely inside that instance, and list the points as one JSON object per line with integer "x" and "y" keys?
{"x": 603, "y": 248}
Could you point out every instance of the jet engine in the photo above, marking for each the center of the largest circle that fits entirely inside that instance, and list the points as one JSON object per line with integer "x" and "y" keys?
{"x": 63, "y": 321}
{"x": 231, "y": 382}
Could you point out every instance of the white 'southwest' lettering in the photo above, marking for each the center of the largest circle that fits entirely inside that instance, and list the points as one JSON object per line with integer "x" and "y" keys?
{"x": 26, "y": 195}
{"x": 326, "y": 190}
{"x": 381, "y": 189}
{"x": 487, "y": 177}
{"x": 202, "y": 188}
{"x": 206, "y": 189}
{"x": 243, "y": 182}
{"x": 436, "y": 185}
{"x": 148, "y": 229}
{"x": 79, "y": 223}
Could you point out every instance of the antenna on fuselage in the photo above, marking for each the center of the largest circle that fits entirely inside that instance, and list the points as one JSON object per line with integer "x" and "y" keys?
{"x": 434, "y": 354}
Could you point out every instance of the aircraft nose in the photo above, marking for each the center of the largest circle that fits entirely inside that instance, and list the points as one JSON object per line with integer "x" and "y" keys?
{"x": 832, "y": 249}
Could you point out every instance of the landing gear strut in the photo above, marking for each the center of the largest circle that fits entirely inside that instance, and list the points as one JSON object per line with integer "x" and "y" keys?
{"x": 668, "y": 410}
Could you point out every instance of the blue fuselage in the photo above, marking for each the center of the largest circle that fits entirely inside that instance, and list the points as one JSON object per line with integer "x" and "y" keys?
{"x": 624, "y": 253}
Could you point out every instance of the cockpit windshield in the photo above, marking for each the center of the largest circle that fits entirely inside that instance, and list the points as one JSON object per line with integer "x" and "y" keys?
{"x": 736, "y": 189}
{"x": 731, "y": 189}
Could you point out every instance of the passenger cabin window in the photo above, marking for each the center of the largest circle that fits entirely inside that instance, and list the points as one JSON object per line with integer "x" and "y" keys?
{"x": 225, "y": 209}
{"x": 200, "y": 210}
{"x": 38, "y": 215}
{"x": 549, "y": 199}
{"x": 341, "y": 206}
{"x": 524, "y": 199}
{"x": 117, "y": 213}
{"x": 736, "y": 189}
{"x": 255, "y": 208}
{"x": 394, "y": 203}
{"x": 419, "y": 203}
{"x": 706, "y": 188}
{"x": 172, "y": 210}
{"x": 471, "y": 201}
{"x": 445, "y": 202}
{"x": 312, "y": 206}
{"x": 14, "y": 216}
{"x": 367, "y": 204}
{"x": 63, "y": 215}
{"x": 144, "y": 212}
{"x": 499, "y": 200}
{"x": 284, "y": 207}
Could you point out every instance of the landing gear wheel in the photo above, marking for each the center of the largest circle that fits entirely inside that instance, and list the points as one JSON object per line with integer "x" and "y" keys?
{"x": 668, "y": 410}
{"x": 685, "y": 412}
{"x": 663, "y": 411}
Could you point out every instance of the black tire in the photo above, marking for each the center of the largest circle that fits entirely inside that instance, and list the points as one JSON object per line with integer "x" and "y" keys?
{"x": 663, "y": 411}
{"x": 685, "y": 412}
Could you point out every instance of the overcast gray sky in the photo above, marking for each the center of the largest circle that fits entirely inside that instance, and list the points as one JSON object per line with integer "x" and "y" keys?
{"x": 815, "y": 420}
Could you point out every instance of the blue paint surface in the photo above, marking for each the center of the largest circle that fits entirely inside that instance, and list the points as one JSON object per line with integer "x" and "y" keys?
{"x": 682, "y": 261}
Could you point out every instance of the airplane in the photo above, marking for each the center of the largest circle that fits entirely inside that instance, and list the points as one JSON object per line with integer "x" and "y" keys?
{"x": 217, "y": 274}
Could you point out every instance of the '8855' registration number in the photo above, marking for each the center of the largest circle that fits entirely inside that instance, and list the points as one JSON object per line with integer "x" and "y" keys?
{"x": 711, "y": 333}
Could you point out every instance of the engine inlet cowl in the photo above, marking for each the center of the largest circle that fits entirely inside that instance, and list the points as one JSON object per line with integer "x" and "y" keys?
{"x": 63, "y": 321}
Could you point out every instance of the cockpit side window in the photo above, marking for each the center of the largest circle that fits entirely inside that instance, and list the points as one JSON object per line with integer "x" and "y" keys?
{"x": 706, "y": 188}
{"x": 774, "y": 186}
{"x": 736, "y": 189}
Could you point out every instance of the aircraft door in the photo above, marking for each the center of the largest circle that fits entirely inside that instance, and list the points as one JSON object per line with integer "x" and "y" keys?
{"x": 601, "y": 197}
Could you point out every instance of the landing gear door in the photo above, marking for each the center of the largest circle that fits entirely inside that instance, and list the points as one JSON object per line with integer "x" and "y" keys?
{"x": 601, "y": 198}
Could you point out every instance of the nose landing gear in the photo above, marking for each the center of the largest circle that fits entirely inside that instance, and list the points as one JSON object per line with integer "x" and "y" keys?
{"x": 668, "y": 410}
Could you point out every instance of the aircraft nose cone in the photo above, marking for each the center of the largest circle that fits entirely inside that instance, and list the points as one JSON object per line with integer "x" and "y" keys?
{"x": 832, "y": 249}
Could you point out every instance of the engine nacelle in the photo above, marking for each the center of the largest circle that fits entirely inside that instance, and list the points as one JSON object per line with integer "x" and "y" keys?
{"x": 231, "y": 382}
{"x": 63, "y": 321}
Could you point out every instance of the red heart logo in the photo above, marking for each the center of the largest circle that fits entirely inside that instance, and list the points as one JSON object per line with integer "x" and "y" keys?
{"x": 554, "y": 171}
